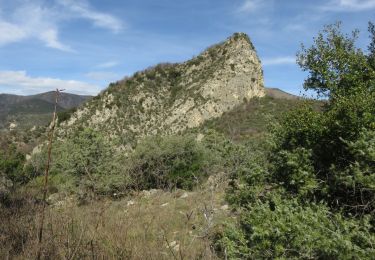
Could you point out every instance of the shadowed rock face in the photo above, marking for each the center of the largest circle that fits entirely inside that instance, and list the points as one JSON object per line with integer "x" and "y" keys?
{"x": 169, "y": 98}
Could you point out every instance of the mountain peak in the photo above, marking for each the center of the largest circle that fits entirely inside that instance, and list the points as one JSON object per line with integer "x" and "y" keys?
{"x": 239, "y": 36}
{"x": 237, "y": 42}
{"x": 170, "y": 98}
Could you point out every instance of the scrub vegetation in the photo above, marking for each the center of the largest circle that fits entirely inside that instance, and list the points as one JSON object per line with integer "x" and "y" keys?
{"x": 273, "y": 178}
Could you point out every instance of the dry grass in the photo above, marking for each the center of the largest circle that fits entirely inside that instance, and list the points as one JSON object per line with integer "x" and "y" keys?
{"x": 161, "y": 225}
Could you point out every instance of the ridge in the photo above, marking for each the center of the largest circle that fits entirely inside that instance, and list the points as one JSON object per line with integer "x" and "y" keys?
{"x": 172, "y": 97}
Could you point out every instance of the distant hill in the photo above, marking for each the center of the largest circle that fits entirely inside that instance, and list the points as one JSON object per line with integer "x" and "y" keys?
{"x": 278, "y": 93}
{"x": 27, "y": 111}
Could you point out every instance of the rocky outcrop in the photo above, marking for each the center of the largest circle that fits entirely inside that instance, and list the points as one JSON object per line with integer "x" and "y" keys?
{"x": 170, "y": 98}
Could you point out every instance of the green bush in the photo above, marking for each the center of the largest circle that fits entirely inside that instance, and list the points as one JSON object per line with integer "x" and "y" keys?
{"x": 248, "y": 172}
{"x": 65, "y": 115}
{"x": 315, "y": 198}
{"x": 169, "y": 162}
{"x": 86, "y": 161}
{"x": 314, "y": 152}
{"x": 353, "y": 187}
{"x": 335, "y": 65}
{"x": 299, "y": 127}
{"x": 283, "y": 229}
{"x": 295, "y": 171}
{"x": 89, "y": 157}
{"x": 11, "y": 164}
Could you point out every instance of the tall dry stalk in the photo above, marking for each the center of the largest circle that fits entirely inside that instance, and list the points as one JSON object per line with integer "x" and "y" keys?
{"x": 45, "y": 186}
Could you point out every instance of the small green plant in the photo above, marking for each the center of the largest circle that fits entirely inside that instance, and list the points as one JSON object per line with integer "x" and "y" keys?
{"x": 11, "y": 164}
{"x": 283, "y": 229}
{"x": 65, "y": 115}
{"x": 169, "y": 162}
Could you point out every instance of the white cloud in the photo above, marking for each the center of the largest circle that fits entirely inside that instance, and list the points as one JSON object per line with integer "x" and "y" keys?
{"x": 83, "y": 10}
{"x": 39, "y": 20}
{"x": 279, "y": 61}
{"x": 30, "y": 21}
{"x": 10, "y": 33}
{"x": 25, "y": 84}
{"x": 349, "y": 5}
{"x": 296, "y": 27}
{"x": 50, "y": 38}
{"x": 250, "y": 6}
{"x": 108, "y": 64}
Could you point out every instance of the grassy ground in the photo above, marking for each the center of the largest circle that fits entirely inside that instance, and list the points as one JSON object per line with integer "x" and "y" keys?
{"x": 148, "y": 225}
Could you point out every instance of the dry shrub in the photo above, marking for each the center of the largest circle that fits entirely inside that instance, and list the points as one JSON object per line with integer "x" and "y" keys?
{"x": 150, "y": 225}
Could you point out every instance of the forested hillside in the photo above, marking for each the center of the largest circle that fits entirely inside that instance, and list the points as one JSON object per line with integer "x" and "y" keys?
{"x": 25, "y": 112}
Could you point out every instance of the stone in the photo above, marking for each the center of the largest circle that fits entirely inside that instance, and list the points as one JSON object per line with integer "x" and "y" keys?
{"x": 224, "y": 207}
{"x": 174, "y": 245}
{"x": 130, "y": 203}
{"x": 200, "y": 137}
{"x": 54, "y": 198}
{"x": 12, "y": 126}
{"x": 149, "y": 193}
{"x": 184, "y": 195}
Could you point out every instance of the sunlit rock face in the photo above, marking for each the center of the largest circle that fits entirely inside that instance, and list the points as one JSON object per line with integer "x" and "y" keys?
{"x": 170, "y": 98}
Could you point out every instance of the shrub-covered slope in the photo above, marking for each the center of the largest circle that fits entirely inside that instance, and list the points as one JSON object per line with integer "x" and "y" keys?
{"x": 170, "y": 98}
{"x": 252, "y": 119}
{"x": 311, "y": 193}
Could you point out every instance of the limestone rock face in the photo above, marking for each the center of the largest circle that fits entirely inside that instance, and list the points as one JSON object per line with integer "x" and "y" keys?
{"x": 170, "y": 98}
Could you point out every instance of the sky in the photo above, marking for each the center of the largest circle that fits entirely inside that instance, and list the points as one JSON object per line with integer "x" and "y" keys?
{"x": 83, "y": 45}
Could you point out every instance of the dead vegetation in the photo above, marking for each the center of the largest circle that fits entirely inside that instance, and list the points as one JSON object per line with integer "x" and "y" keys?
{"x": 149, "y": 225}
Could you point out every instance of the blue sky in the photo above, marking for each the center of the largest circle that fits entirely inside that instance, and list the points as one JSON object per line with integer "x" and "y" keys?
{"x": 83, "y": 45}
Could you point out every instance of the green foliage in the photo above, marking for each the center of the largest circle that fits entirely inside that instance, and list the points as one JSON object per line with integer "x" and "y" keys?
{"x": 314, "y": 154}
{"x": 363, "y": 151}
{"x": 371, "y": 47}
{"x": 65, "y": 115}
{"x": 251, "y": 119}
{"x": 230, "y": 242}
{"x": 90, "y": 158}
{"x": 320, "y": 146}
{"x": 84, "y": 154}
{"x": 353, "y": 187}
{"x": 335, "y": 64}
{"x": 86, "y": 162}
{"x": 283, "y": 229}
{"x": 295, "y": 171}
{"x": 11, "y": 164}
{"x": 248, "y": 171}
{"x": 315, "y": 198}
{"x": 299, "y": 127}
{"x": 169, "y": 162}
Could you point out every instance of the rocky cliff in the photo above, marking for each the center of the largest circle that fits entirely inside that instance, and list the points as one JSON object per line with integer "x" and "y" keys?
{"x": 170, "y": 98}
